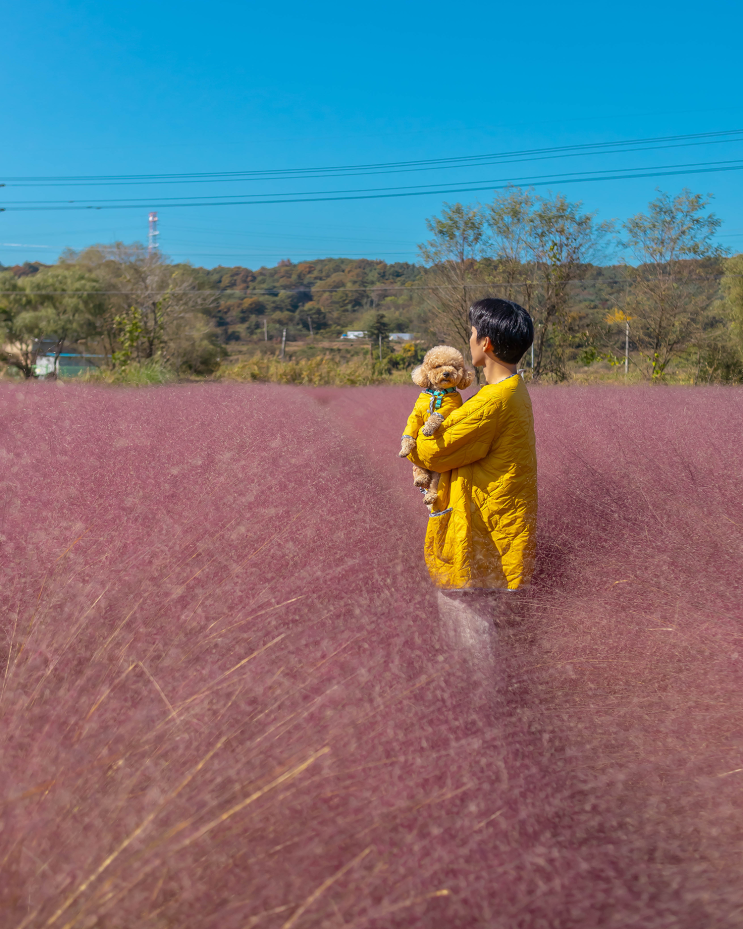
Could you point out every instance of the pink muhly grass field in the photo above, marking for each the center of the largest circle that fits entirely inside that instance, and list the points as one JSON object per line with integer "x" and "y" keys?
{"x": 226, "y": 703}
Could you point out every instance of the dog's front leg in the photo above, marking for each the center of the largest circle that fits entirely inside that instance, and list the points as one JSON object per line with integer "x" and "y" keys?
{"x": 407, "y": 446}
{"x": 432, "y": 423}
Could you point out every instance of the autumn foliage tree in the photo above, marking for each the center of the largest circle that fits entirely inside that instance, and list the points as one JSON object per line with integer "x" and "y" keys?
{"x": 454, "y": 278}
{"x": 541, "y": 246}
{"x": 673, "y": 280}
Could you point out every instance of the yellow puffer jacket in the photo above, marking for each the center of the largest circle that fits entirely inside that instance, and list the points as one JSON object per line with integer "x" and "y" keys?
{"x": 482, "y": 532}
{"x": 422, "y": 410}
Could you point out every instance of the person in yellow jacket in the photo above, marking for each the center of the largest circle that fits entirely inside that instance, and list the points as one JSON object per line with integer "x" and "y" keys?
{"x": 482, "y": 529}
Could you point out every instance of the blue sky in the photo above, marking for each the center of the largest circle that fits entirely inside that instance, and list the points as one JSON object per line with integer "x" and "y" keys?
{"x": 91, "y": 89}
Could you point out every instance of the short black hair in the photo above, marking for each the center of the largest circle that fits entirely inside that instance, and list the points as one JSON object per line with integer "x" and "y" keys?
{"x": 506, "y": 324}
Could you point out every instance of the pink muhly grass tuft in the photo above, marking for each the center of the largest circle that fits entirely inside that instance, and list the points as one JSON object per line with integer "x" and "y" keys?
{"x": 225, "y": 701}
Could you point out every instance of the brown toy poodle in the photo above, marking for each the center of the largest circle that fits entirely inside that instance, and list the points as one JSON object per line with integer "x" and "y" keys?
{"x": 442, "y": 372}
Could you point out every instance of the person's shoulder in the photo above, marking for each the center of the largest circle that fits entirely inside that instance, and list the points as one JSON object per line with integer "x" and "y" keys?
{"x": 511, "y": 391}
{"x": 490, "y": 396}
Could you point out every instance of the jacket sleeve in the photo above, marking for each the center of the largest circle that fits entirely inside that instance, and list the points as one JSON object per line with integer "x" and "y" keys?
{"x": 465, "y": 436}
{"x": 417, "y": 418}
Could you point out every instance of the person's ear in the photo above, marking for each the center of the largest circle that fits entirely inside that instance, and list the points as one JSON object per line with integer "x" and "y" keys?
{"x": 419, "y": 376}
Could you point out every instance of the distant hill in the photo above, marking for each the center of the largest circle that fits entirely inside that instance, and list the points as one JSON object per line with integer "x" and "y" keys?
{"x": 26, "y": 269}
{"x": 331, "y": 292}
{"x": 340, "y": 292}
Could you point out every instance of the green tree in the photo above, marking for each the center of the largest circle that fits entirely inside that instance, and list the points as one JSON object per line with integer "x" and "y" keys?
{"x": 21, "y": 326}
{"x": 379, "y": 334}
{"x": 454, "y": 278}
{"x": 250, "y": 306}
{"x": 314, "y": 315}
{"x": 541, "y": 246}
{"x": 410, "y": 355}
{"x": 156, "y": 307}
{"x": 59, "y": 304}
{"x": 720, "y": 354}
{"x": 73, "y": 305}
{"x": 673, "y": 283}
{"x": 732, "y": 289}
{"x": 510, "y": 218}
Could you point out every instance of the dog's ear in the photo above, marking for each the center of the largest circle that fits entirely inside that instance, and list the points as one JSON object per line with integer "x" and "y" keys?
{"x": 419, "y": 376}
{"x": 466, "y": 378}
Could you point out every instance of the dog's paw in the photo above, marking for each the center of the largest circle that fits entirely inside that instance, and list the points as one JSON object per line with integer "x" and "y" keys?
{"x": 429, "y": 498}
{"x": 432, "y": 424}
{"x": 406, "y": 447}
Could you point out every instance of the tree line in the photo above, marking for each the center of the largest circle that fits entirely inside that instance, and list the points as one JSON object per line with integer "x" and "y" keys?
{"x": 673, "y": 299}
{"x": 131, "y": 305}
{"x": 325, "y": 297}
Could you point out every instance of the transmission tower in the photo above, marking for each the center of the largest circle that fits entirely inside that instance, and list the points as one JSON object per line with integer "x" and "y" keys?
{"x": 152, "y": 245}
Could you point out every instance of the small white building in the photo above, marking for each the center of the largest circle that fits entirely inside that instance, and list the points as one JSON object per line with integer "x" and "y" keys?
{"x": 401, "y": 336}
{"x": 45, "y": 365}
{"x": 354, "y": 334}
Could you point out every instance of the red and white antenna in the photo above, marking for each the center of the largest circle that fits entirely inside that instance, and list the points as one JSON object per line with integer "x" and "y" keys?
{"x": 152, "y": 245}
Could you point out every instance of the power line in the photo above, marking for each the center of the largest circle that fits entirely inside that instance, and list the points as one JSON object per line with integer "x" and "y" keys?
{"x": 432, "y": 188}
{"x": 386, "y": 193}
{"x": 451, "y": 161}
{"x": 473, "y": 161}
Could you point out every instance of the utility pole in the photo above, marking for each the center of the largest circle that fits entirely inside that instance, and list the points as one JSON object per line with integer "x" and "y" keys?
{"x": 309, "y": 320}
{"x": 152, "y": 244}
{"x": 626, "y": 332}
{"x": 380, "y": 347}
{"x": 265, "y": 329}
{"x": 283, "y": 344}
{"x": 626, "y": 348}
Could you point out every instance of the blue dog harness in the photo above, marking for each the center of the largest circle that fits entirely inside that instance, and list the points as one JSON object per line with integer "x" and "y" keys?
{"x": 437, "y": 396}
